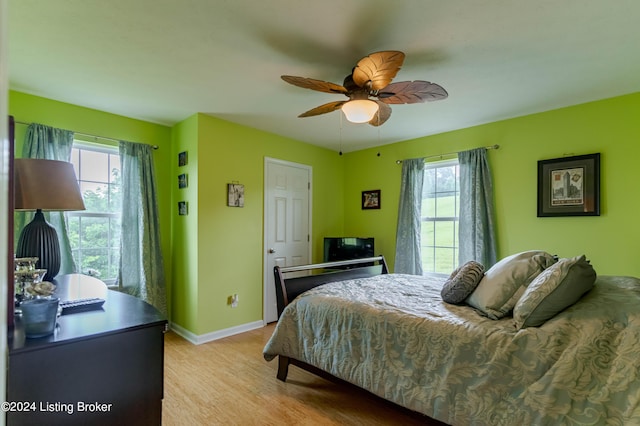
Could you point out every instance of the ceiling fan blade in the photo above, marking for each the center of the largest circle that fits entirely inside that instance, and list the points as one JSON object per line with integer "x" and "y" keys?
{"x": 411, "y": 92}
{"x": 310, "y": 83}
{"x": 323, "y": 109}
{"x": 378, "y": 69}
{"x": 383, "y": 114}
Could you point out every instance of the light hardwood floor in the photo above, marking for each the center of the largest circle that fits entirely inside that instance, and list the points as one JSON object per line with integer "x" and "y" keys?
{"x": 228, "y": 382}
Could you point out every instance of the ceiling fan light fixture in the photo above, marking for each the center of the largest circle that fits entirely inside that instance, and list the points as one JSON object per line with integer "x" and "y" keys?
{"x": 370, "y": 90}
{"x": 360, "y": 110}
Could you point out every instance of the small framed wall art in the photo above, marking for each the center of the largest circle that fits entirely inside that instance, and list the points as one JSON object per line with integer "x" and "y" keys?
{"x": 183, "y": 159}
{"x": 183, "y": 208}
{"x": 235, "y": 195}
{"x": 183, "y": 181}
{"x": 371, "y": 199}
{"x": 569, "y": 186}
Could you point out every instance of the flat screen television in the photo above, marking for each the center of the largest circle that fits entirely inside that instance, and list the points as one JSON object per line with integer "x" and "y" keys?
{"x": 347, "y": 248}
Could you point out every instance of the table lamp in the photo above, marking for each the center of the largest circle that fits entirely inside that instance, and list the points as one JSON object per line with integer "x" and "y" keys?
{"x": 44, "y": 185}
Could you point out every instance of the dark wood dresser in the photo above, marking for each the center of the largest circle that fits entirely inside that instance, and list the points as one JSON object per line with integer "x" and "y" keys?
{"x": 101, "y": 367}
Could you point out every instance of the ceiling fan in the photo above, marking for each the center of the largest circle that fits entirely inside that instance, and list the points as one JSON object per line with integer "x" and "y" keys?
{"x": 371, "y": 78}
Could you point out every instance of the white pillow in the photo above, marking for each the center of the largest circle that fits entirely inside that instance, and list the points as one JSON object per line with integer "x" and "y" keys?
{"x": 504, "y": 283}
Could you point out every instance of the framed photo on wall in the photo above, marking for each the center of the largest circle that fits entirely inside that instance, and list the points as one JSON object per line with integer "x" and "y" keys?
{"x": 371, "y": 199}
{"x": 183, "y": 181}
{"x": 183, "y": 159}
{"x": 569, "y": 186}
{"x": 183, "y": 208}
{"x": 235, "y": 195}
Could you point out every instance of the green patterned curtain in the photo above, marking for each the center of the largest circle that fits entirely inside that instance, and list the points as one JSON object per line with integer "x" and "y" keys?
{"x": 49, "y": 143}
{"x": 476, "y": 233}
{"x": 141, "y": 264}
{"x": 408, "y": 257}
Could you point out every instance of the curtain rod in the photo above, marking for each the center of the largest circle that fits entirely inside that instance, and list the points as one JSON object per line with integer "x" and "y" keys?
{"x": 496, "y": 146}
{"x": 89, "y": 135}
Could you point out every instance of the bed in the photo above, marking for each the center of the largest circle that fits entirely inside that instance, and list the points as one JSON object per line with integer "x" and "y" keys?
{"x": 394, "y": 336}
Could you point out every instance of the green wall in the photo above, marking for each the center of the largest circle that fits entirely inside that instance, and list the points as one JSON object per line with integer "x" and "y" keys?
{"x": 610, "y": 127}
{"x": 222, "y": 251}
{"x": 183, "y": 299}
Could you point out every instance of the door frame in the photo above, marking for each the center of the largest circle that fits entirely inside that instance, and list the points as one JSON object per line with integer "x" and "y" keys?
{"x": 265, "y": 255}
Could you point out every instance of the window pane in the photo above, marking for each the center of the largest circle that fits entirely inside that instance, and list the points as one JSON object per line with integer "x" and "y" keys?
{"x": 446, "y": 179}
{"x": 95, "y": 260}
{"x": 115, "y": 198}
{"x": 444, "y": 234}
{"x": 444, "y": 259}
{"x": 428, "y": 258}
{"x": 429, "y": 185}
{"x": 94, "y": 166}
{"x": 429, "y": 207}
{"x": 95, "y": 196}
{"x": 114, "y": 168}
{"x": 94, "y": 232}
{"x": 428, "y": 234}
{"x": 446, "y": 204}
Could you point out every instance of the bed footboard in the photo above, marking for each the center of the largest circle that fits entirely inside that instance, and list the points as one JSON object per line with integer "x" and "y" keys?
{"x": 314, "y": 275}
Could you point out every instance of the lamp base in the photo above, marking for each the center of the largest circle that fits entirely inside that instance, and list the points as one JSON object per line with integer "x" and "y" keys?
{"x": 40, "y": 239}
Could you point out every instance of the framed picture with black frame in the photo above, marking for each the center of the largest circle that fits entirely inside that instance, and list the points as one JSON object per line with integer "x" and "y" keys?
{"x": 569, "y": 186}
{"x": 183, "y": 181}
{"x": 371, "y": 199}
{"x": 183, "y": 208}
{"x": 183, "y": 159}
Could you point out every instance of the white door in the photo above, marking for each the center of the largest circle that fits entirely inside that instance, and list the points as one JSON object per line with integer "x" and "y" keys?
{"x": 287, "y": 223}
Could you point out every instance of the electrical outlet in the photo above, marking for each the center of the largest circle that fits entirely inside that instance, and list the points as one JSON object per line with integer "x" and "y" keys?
{"x": 234, "y": 301}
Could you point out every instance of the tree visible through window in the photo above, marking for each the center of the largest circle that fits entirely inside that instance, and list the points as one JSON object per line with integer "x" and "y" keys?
{"x": 440, "y": 210}
{"x": 95, "y": 232}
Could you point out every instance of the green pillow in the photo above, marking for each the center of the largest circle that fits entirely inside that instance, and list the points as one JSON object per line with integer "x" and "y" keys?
{"x": 554, "y": 290}
{"x": 504, "y": 283}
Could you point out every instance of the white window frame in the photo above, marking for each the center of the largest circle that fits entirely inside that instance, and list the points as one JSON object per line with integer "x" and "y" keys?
{"x": 83, "y": 145}
{"x": 455, "y": 219}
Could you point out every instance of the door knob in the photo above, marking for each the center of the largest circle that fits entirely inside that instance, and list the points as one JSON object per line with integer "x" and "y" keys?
{"x": 272, "y": 251}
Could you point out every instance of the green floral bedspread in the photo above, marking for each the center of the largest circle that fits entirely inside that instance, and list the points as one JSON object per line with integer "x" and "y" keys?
{"x": 393, "y": 336}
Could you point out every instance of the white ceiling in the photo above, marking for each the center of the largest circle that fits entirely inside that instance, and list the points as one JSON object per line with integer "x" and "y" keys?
{"x": 164, "y": 60}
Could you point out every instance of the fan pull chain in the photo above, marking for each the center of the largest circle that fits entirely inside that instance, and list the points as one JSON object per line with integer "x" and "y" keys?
{"x": 378, "y": 114}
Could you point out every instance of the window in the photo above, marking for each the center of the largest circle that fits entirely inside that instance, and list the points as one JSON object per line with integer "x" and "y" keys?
{"x": 440, "y": 210}
{"x": 94, "y": 233}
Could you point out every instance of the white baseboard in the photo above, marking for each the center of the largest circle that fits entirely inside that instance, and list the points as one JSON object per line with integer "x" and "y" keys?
{"x": 214, "y": 335}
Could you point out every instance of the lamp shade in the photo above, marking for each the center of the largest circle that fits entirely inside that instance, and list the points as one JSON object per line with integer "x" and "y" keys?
{"x": 44, "y": 185}
{"x": 360, "y": 110}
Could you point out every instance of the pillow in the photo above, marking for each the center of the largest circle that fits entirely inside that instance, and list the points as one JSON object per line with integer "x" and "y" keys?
{"x": 554, "y": 290}
{"x": 504, "y": 283}
{"x": 462, "y": 282}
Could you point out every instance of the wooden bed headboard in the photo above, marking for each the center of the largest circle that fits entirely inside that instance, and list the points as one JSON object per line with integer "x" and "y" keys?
{"x": 314, "y": 275}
